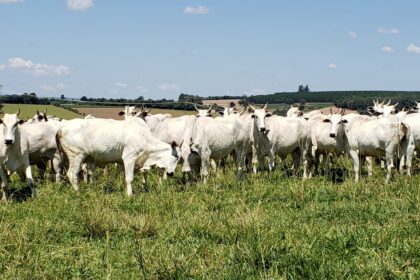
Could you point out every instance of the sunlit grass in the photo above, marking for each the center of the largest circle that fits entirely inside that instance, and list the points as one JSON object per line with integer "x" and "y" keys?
{"x": 268, "y": 226}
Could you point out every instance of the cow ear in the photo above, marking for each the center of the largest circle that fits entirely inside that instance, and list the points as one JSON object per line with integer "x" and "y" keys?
{"x": 174, "y": 144}
{"x": 221, "y": 113}
{"x": 121, "y": 113}
{"x": 21, "y": 121}
{"x": 144, "y": 114}
{"x": 1, "y": 121}
{"x": 268, "y": 114}
{"x": 253, "y": 116}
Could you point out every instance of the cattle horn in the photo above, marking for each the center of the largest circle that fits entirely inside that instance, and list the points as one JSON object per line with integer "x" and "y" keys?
{"x": 389, "y": 102}
{"x": 251, "y": 107}
{"x": 265, "y": 106}
{"x": 18, "y": 112}
{"x": 331, "y": 111}
{"x": 37, "y": 113}
{"x": 195, "y": 106}
{"x": 209, "y": 110}
{"x": 46, "y": 109}
{"x": 343, "y": 111}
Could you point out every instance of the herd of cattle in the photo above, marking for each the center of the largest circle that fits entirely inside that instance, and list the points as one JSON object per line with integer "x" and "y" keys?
{"x": 201, "y": 142}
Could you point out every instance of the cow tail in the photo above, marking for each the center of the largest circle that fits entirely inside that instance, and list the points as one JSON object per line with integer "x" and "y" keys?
{"x": 60, "y": 148}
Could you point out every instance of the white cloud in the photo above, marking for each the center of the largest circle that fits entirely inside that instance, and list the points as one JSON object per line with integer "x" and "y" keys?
{"x": 48, "y": 88}
{"x": 199, "y": 10}
{"x": 118, "y": 84}
{"x": 79, "y": 5}
{"x": 38, "y": 69}
{"x": 352, "y": 34}
{"x": 9, "y": 1}
{"x": 2, "y": 66}
{"x": 59, "y": 86}
{"x": 388, "y": 49}
{"x": 168, "y": 87}
{"x": 388, "y": 31}
{"x": 332, "y": 66}
{"x": 413, "y": 49}
{"x": 142, "y": 89}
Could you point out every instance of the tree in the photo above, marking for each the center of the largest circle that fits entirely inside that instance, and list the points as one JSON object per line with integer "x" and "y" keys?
{"x": 62, "y": 96}
{"x": 306, "y": 89}
{"x": 84, "y": 98}
{"x": 300, "y": 89}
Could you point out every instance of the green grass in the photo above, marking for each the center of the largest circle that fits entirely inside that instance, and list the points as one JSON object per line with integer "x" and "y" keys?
{"x": 27, "y": 111}
{"x": 269, "y": 226}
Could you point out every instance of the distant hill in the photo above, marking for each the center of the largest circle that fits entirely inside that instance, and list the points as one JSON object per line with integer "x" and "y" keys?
{"x": 355, "y": 100}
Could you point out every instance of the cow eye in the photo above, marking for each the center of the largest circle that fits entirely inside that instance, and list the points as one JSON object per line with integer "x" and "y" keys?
{"x": 327, "y": 120}
{"x": 253, "y": 116}
{"x": 198, "y": 116}
{"x": 344, "y": 121}
{"x": 267, "y": 115}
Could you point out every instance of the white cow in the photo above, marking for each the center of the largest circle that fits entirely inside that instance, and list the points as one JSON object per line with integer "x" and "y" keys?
{"x": 216, "y": 138}
{"x": 41, "y": 116}
{"x": 106, "y": 141}
{"x": 14, "y": 152}
{"x": 294, "y": 112}
{"x": 361, "y": 137}
{"x": 321, "y": 142}
{"x": 276, "y": 135}
{"x": 43, "y": 146}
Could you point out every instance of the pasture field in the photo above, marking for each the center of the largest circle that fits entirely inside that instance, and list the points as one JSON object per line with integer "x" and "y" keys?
{"x": 112, "y": 112}
{"x": 27, "y": 111}
{"x": 268, "y": 226}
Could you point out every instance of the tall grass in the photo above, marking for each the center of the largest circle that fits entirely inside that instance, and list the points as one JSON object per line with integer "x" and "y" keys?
{"x": 268, "y": 226}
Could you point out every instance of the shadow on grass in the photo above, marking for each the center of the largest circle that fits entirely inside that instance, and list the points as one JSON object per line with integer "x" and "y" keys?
{"x": 20, "y": 194}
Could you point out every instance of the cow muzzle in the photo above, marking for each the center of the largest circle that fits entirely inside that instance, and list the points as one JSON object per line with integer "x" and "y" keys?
{"x": 332, "y": 135}
{"x": 170, "y": 174}
{"x": 8, "y": 141}
{"x": 263, "y": 129}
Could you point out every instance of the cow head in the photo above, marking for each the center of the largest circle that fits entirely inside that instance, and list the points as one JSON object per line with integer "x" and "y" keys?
{"x": 10, "y": 123}
{"x": 203, "y": 112}
{"x": 336, "y": 121}
{"x": 172, "y": 159}
{"x": 129, "y": 111}
{"x": 294, "y": 112}
{"x": 259, "y": 116}
{"x": 382, "y": 109}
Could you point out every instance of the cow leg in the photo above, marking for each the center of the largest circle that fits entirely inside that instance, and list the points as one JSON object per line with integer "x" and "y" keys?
{"x": 4, "y": 183}
{"x": 240, "y": 163}
{"x": 205, "y": 162}
{"x": 368, "y": 162}
{"x": 57, "y": 166}
{"x": 409, "y": 158}
{"x": 272, "y": 160}
{"x": 129, "y": 174}
{"x": 296, "y": 155}
{"x": 389, "y": 165}
{"x": 29, "y": 179}
{"x": 254, "y": 160}
{"x": 74, "y": 167}
{"x": 42, "y": 169}
{"x": 356, "y": 164}
{"x": 305, "y": 163}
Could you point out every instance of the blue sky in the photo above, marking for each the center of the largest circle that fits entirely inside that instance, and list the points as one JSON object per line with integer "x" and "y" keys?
{"x": 105, "y": 48}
